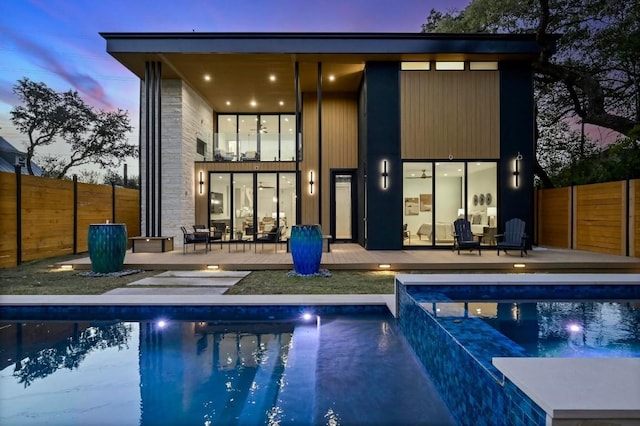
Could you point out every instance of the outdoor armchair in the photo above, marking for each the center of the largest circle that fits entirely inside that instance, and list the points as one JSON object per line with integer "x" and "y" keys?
{"x": 463, "y": 238}
{"x": 194, "y": 238}
{"x": 514, "y": 237}
{"x": 271, "y": 237}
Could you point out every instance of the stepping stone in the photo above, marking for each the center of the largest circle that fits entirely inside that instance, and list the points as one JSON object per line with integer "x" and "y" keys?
{"x": 168, "y": 291}
{"x": 188, "y": 282}
{"x": 204, "y": 274}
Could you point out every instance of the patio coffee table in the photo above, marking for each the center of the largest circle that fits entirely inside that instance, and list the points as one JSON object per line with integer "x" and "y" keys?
{"x": 236, "y": 241}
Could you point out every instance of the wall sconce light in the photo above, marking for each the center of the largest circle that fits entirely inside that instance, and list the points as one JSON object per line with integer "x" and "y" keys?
{"x": 516, "y": 169}
{"x": 311, "y": 182}
{"x": 460, "y": 212}
{"x": 201, "y": 182}
{"x": 384, "y": 174}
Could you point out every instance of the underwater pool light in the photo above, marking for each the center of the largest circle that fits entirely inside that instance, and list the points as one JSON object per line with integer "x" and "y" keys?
{"x": 574, "y": 328}
{"x": 307, "y": 316}
{"x": 161, "y": 323}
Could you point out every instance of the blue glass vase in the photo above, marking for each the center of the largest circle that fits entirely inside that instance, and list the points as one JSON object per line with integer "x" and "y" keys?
{"x": 107, "y": 246}
{"x": 306, "y": 248}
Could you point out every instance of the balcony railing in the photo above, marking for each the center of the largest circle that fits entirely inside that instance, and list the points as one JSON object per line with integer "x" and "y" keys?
{"x": 234, "y": 147}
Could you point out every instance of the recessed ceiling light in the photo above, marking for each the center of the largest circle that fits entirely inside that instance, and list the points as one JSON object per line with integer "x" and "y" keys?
{"x": 272, "y": 77}
{"x": 281, "y": 103}
{"x": 332, "y": 77}
{"x": 253, "y": 103}
{"x": 207, "y": 77}
{"x": 228, "y": 103}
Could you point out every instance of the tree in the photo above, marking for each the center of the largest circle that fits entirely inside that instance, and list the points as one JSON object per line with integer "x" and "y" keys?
{"x": 113, "y": 177}
{"x": 94, "y": 136}
{"x": 591, "y": 71}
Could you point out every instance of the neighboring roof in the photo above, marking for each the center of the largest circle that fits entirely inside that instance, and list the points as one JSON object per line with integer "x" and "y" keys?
{"x": 5, "y": 146}
{"x": 8, "y": 154}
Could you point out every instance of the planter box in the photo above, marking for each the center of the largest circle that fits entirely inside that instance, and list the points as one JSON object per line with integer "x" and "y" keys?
{"x": 151, "y": 244}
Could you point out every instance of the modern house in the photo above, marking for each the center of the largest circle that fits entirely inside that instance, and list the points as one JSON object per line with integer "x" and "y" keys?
{"x": 383, "y": 139}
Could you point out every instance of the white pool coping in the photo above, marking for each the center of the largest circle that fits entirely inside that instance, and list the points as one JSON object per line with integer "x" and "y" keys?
{"x": 578, "y": 389}
{"x": 518, "y": 279}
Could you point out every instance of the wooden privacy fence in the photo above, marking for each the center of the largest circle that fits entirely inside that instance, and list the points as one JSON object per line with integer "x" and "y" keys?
{"x": 42, "y": 217}
{"x": 602, "y": 217}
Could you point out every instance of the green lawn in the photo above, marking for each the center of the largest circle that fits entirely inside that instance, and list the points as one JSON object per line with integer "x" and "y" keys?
{"x": 40, "y": 278}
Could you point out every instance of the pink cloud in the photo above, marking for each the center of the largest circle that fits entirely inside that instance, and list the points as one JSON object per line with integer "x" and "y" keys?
{"x": 44, "y": 57}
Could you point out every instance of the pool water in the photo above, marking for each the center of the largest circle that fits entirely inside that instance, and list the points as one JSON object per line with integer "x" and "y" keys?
{"x": 333, "y": 370}
{"x": 555, "y": 328}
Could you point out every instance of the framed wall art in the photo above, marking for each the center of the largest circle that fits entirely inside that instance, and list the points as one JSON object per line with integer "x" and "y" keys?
{"x": 425, "y": 202}
{"x": 411, "y": 206}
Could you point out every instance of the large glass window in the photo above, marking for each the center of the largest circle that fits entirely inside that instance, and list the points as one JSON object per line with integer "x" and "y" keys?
{"x": 418, "y": 204}
{"x": 220, "y": 202}
{"x": 287, "y": 138}
{"x": 449, "y": 189}
{"x": 482, "y": 200}
{"x": 225, "y": 146}
{"x": 252, "y": 203}
{"x": 248, "y": 128}
{"x": 243, "y": 204}
{"x": 269, "y": 149}
{"x": 255, "y": 137}
{"x": 436, "y": 194}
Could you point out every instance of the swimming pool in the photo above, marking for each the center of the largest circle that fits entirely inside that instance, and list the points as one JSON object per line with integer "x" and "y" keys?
{"x": 318, "y": 369}
{"x": 439, "y": 317}
{"x": 552, "y": 328}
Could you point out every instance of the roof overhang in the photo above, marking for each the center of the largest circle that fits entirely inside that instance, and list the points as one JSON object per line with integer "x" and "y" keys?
{"x": 238, "y": 64}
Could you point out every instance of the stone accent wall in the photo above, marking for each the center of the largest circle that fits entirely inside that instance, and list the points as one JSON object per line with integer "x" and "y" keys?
{"x": 184, "y": 115}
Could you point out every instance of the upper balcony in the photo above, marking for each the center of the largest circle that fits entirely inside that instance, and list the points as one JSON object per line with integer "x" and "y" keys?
{"x": 235, "y": 147}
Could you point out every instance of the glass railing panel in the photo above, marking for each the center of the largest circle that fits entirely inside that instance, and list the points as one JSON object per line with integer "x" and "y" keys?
{"x": 234, "y": 147}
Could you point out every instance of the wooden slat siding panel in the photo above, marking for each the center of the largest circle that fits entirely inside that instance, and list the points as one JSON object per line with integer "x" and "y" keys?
{"x": 554, "y": 217}
{"x": 634, "y": 220}
{"x": 339, "y": 143}
{"x": 94, "y": 206}
{"x": 128, "y": 209}
{"x": 450, "y": 112}
{"x": 47, "y": 217}
{"x": 8, "y": 246}
{"x": 309, "y": 161}
{"x": 599, "y": 224}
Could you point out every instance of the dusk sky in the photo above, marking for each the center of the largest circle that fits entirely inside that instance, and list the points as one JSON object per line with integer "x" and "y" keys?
{"x": 57, "y": 41}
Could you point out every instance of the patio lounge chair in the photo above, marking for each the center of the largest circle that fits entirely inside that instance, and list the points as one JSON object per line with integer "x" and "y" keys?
{"x": 273, "y": 236}
{"x": 513, "y": 238}
{"x": 194, "y": 238}
{"x": 213, "y": 234}
{"x": 463, "y": 238}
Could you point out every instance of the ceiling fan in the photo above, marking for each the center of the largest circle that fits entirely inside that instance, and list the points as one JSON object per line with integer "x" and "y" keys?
{"x": 261, "y": 128}
{"x": 422, "y": 176}
{"x": 261, "y": 186}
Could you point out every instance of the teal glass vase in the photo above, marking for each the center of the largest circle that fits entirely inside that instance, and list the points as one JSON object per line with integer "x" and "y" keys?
{"x": 306, "y": 248}
{"x": 107, "y": 246}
